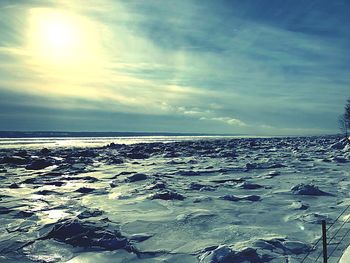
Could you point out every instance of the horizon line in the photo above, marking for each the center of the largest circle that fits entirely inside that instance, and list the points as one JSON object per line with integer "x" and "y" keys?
{"x": 48, "y": 133}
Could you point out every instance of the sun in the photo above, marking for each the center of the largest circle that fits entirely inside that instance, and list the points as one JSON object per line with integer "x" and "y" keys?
{"x": 60, "y": 33}
{"x": 61, "y": 38}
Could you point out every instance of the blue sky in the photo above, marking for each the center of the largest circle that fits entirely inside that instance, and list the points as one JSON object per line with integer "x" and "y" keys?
{"x": 253, "y": 66}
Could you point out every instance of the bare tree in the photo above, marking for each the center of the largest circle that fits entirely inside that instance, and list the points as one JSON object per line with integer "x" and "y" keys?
{"x": 347, "y": 113}
{"x": 344, "y": 121}
{"x": 343, "y": 127}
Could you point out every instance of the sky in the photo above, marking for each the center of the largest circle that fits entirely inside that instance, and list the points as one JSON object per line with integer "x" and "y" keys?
{"x": 225, "y": 66}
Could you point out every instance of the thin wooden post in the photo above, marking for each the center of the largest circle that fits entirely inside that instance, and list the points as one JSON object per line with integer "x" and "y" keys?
{"x": 324, "y": 238}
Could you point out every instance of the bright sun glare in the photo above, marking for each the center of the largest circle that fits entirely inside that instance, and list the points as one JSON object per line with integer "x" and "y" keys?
{"x": 62, "y": 39}
{"x": 60, "y": 34}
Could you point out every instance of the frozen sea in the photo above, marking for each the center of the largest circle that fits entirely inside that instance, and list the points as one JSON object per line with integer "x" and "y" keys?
{"x": 172, "y": 199}
{"x": 86, "y": 142}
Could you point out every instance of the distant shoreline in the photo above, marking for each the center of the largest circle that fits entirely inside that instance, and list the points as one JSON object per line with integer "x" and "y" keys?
{"x": 52, "y": 134}
{"x": 65, "y": 134}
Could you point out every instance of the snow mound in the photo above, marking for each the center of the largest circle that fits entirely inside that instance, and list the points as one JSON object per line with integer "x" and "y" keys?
{"x": 308, "y": 189}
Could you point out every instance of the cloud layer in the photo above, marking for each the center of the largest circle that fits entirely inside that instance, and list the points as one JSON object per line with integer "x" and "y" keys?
{"x": 177, "y": 66}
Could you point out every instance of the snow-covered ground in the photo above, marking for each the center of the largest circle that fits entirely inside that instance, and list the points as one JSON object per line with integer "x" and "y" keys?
{"x": 223, "y": 200}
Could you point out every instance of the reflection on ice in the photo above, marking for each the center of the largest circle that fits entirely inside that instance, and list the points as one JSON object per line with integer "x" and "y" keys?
{"x": 60, "y": 142}
{"x": 55, "y": 214}
{"x": 115, "y": 195}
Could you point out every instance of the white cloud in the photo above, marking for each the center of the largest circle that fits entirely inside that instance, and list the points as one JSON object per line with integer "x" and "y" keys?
{"x": 230, "y": 121}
